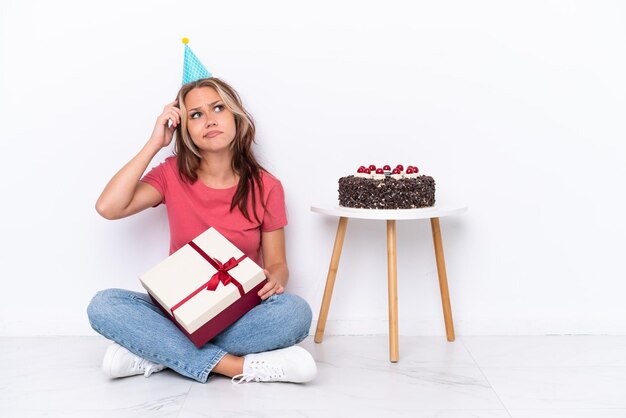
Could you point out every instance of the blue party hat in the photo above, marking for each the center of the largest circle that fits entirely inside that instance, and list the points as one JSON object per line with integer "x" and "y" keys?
{"x": 192, "y": 67}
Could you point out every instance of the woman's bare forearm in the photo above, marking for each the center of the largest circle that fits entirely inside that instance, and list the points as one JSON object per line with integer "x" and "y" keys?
{"x": 120, "y": 190}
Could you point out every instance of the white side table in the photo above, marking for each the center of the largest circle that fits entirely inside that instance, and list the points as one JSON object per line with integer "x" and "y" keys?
{"x": 432, "y": 213}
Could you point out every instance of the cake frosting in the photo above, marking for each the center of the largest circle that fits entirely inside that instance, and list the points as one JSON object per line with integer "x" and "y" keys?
{"x": 383, "y": 188}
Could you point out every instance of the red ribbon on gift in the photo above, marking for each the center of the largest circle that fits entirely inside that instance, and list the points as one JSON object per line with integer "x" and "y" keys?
{"x": 221, "y": 275}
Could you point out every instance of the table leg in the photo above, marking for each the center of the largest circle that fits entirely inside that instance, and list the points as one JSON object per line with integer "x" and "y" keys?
{"x": 443, "y": 279}
{"x": 392, "y": 276}
{"x": 330, "y": 279}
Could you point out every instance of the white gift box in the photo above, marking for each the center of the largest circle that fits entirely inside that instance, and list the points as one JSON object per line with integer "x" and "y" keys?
{"x": 181, "y": 284}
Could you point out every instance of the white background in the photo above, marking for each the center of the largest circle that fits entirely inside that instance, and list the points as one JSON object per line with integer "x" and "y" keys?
{"x": 516, "y": 109}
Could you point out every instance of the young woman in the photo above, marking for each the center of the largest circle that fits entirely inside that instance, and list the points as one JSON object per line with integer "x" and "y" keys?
{"x": 213, "y": 179}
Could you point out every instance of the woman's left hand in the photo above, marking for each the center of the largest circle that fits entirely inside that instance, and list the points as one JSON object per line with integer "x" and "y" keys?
{"x": 272, "y": 286}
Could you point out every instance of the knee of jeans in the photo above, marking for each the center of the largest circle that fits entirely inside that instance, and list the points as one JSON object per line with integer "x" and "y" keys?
{"x": 301, "y": 315}
{"x": 99, "y": 304}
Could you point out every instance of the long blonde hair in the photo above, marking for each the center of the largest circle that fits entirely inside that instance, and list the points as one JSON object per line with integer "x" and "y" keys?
{"x": 244, "y": 163}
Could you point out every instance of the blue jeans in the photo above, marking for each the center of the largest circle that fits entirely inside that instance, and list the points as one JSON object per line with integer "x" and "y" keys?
{"x": 132, "y": 320}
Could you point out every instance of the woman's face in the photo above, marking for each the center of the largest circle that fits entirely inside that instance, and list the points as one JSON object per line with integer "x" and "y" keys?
{"x": 210, "y": 124}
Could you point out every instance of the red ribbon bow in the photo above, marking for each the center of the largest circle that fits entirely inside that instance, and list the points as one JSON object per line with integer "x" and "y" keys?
{"x": 222, "y": 272}
{"x": 221, "y": 275}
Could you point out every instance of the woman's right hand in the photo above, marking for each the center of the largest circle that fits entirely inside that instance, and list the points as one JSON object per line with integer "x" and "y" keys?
{"x": 163, "y": 132}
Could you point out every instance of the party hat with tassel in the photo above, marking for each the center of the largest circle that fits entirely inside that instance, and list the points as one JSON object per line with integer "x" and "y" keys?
{"x": 192, "y": 67}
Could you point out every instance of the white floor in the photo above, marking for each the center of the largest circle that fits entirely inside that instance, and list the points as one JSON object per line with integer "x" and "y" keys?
{"x": 519, "y": 377}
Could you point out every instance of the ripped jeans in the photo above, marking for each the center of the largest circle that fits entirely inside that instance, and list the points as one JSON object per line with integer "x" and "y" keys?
{"x": 132, "y": 320}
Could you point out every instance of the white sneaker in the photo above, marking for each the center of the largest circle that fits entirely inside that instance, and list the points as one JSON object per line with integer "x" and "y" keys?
{"x": 119, "y": 362}
{"x": 291, "y": 364}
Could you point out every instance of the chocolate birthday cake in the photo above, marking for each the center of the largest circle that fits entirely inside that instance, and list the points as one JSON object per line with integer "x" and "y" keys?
{"x": 383, "y": 188}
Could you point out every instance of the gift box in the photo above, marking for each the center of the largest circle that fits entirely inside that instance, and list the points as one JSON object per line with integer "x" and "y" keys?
{"x": 205, "y": 286}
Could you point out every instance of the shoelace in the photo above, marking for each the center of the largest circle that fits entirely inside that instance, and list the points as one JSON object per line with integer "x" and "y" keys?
{"x": 261, "y": 372}
{"x": 146, "y": 366}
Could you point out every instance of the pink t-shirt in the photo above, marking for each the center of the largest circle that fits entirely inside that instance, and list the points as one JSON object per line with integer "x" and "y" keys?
{"x": 193, "y": 208}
